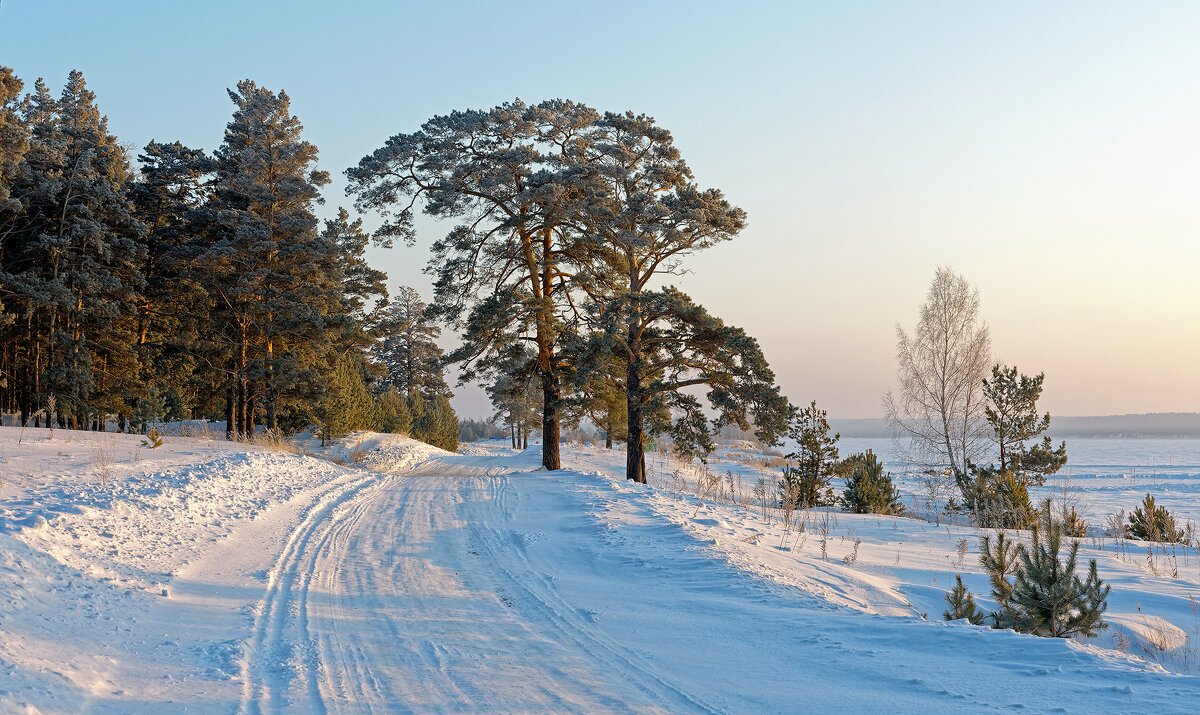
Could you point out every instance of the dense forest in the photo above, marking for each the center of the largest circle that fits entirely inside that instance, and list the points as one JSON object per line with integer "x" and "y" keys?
{"x": 186, "y": 284}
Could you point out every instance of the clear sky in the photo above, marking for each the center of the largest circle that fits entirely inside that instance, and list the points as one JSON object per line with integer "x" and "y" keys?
{"x": 1049, "y": 152}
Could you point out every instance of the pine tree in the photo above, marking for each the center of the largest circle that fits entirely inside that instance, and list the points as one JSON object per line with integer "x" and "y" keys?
{"x": 516, "y": 396}
{"x": 347, "y": 405}
{"x": 998, "y": 495}
{"x": 816, "y": 458}
{"x": 277, "y": 279}
{"x": 599, "y": 389}
{"x": 1013, "y": 417}
{"x": 962, "y": 604}
{"x": 72, "y": 255}
{"x": 1001, "y": 561}
{"x": 644, "y": 215}
{"x": 1149, "y": 522}
{"x": 869, "y": 490}
{"x": 174, "y": 306}
{"x": 678, "y": 344}
{"x": 476, "y": 430}
{"x": 14, "y": 143}
{"x": 999, "y": 500}
{"x": 391, "y": 411}
{"x": 1048, "y": 597}
{"x": 359, "y": 321}
{"x": 417, "y": 407}
{"x": 505, "y": 173}
{"x": 408, "y": 349}
{"x": 437, "y": 424}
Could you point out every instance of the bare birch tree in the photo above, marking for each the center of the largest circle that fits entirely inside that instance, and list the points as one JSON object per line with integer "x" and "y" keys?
{"x": 936, "y": 412}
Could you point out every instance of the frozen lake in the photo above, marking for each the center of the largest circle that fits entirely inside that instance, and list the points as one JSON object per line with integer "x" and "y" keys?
{"x": 1106, "y": 474}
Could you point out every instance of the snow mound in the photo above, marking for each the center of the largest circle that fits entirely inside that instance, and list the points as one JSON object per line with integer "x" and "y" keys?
{"x": 1149, "y": 633}
{"x": 489, "y": 448}
{"x": 380, "y": 452}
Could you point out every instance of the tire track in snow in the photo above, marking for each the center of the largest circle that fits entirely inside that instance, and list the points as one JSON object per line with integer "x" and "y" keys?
{"x": 268, "y": 656}
{"x": 366, "y": 609}
{"x": 404, "y": 630}
{"x": 539, "y": 593}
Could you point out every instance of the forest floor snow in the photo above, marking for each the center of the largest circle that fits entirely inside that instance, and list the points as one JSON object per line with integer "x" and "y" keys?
{"x": 211, "y": 576}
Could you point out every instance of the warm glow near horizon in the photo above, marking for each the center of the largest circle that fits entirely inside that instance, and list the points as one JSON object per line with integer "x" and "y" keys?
{"x": 1049, "y": 154}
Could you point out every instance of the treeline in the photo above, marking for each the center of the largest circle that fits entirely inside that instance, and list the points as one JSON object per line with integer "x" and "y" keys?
{"x": 203, "y": 285}
{"x": 196, "y": 284}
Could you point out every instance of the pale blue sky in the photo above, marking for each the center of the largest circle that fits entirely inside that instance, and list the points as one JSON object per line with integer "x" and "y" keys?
{"x": 1049, "y": 152}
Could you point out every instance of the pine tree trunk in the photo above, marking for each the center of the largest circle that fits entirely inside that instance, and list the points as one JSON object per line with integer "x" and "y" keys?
{"x": 230, "y": 396}
{"x": 550, "y": 428}
{"x": 250, "y": 407}
{"x": 241, "y": 403}
{"x": 635, "y": 457}
{"x": 550, "y": 389}
{"x": 270, "y": 396}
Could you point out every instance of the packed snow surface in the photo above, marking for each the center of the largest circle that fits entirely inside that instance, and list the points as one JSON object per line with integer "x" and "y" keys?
{"x": 382, "y": 574}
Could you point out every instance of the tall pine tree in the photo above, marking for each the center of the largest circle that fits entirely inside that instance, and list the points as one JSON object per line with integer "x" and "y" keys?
{"x": 642, "y": 217}
{"x": 173, "y": 308}
{"x": 408, "y": 350}
{"x": 72, "y": 261}
{"x": 275, "y": 278}
{"x": 502, "y": 274}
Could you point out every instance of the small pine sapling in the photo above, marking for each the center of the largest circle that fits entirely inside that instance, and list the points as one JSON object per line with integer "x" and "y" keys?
{"x": 153, "y": 439}
{"x": 869, "y": 490}
{"x": 1000, "y": 560}
{"x": 1149, "y": 522}
{"x": 1073, "y": 524}
{"x": 804, "y": 489}
{"x": 1049, "y": 598}
{"x": 962, "y": 604}
{"x": 815, "y": 457}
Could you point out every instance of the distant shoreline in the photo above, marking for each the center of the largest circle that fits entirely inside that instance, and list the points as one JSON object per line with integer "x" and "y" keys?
{"x": 1180, "y": 425}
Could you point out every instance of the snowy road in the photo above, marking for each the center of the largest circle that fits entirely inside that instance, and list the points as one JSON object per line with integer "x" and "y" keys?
{"x": 436, "y": 582}
{"x": 370, "y": 607}
{"x": 480, "y": 583}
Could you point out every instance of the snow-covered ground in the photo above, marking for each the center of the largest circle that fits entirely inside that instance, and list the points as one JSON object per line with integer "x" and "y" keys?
{"x": 383, "y": 574}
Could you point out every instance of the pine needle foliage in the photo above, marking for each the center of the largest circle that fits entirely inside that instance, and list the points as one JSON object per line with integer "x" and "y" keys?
{"x": 347, "y": 405}
{"x": 1048, "y": 597}
{"x": 997, "y": 496}
{"x": 962, "y": 604}
{"x": 869, "y": 489}
{"x": 391, "y": 412}
{"x": 1149, "y": 522}
{"x": 816, "y": 457}
{"x": 434, "y": 421}
{"x": 999, "y": 500}
{"x": 999, "y": 558}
